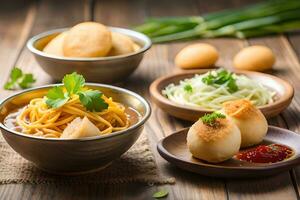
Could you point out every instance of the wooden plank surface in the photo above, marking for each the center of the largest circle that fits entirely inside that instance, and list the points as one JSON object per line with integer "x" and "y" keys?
{"x": 30, "y": 18}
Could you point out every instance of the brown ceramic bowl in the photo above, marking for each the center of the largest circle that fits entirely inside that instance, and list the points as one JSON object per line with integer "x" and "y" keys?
{"x": 284, "y": 94}
{"x": 174, "y": 149}
{"x": 72, "y": 156}
{"x": 99, "y": 69}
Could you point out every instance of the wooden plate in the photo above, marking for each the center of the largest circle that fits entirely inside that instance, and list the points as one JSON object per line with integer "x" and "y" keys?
{"x": 284, "y": 94}
{"x": 173, "y": 148}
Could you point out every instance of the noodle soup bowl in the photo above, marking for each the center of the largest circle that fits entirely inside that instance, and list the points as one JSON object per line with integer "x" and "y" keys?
{"x": 73, "y": 156}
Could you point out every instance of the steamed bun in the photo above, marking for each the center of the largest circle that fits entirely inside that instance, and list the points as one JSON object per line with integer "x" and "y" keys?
{"x": 214, "y": 143}
{"x": 87, "y": 39}
{"x": 250, "y": 120}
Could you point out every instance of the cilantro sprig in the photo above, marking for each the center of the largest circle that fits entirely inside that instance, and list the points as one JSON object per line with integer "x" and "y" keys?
{"x": 19, "y": 79}
{"x": 188, "y": 88}
{"x": 211, "y": 119}
{"x": 220, "y": 78}
{"x": 73, "y": 84}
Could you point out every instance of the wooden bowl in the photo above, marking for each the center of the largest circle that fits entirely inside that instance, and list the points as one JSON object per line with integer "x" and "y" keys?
{"x": 284, "y": 94}
{"x": 173, "y": 148}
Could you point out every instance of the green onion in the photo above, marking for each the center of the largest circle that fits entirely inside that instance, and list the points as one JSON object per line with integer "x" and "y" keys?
{"x": 232, "y": 22}
{"x": 271, "y": 29}
{"x": 256, "y": 23}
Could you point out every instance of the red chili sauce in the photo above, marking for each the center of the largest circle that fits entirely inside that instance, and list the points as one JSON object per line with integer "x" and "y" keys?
{"x": 271, "y": 153}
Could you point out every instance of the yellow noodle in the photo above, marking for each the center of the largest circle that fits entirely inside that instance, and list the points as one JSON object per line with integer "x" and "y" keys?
{"x": 40, "y": 120}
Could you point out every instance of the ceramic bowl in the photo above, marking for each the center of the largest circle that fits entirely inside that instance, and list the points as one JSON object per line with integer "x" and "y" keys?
{"x": 72, "y": 156}
{"x": 98, "y": 69}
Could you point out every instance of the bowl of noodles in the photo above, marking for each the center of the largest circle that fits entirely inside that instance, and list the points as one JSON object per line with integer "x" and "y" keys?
{"x": 74, "y": 127}
{"x": 191, "y": 94}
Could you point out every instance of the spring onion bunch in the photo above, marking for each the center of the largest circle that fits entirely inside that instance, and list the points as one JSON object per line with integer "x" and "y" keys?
{"x": 268, "y": 17}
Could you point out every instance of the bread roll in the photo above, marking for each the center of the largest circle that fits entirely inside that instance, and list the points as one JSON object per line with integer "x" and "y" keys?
{"x": 80, "y": 128}
{"x": 87, "y": 39}
{"x": 250, "y": 120}
{"x": 254, "y": 58}
{"x": 214, "y": 143}
{"x": 199, "y": 55}
{"x": 121, "y": 44}
{"x": 55, "y": 46}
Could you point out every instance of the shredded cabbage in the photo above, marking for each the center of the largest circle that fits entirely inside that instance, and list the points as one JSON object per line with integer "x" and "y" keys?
{"x": 194, "y": 92}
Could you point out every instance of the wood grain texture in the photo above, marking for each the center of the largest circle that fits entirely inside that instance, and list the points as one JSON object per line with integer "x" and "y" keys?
{"x": 15, "y": 24}
{"x": 38, "y": 16}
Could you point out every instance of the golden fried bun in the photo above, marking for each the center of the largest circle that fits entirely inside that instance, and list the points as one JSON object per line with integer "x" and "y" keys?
{"x": 214, "y": 143}
{"x": 87, "y": 39}
{"x": 121, "y": 44}
{"x": 250, "y": 120}
{"x": 55, "y": 46}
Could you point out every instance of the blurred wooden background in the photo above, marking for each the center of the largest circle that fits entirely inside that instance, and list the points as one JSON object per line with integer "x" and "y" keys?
{"x": 20, "y": 20}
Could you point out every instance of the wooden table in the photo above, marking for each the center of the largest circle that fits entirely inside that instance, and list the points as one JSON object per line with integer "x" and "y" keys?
{"x": 20, "y": 20}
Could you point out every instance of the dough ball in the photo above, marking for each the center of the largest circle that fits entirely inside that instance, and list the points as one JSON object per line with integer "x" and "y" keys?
{"x": 55, "y": 46}
{"x": 214, "y": 143}
{"x": 198, "y": 55}
{"x": 250, "y": 120}
{"x": 121, "y": 44}
{"x": 87, "y": 39}
{"x": 254, "y": 58}
{"x": 136, "y": 47}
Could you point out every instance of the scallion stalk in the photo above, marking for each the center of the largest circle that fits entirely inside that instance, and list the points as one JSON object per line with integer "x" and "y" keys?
{"x": 271, "y": 29}
{"x": 256, "y": 23}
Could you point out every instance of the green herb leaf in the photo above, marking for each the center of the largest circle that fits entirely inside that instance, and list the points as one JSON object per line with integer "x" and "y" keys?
{"x": 18, "y": 78}
{"x": 15, "y": 74}
{"x": 232, "y": 86}
{"x": 92, "y": 100}
{"x": 188, "y": 88}
{"x": 56, "y": 97}
{"x": 27, "y": 81}
{"x": 222, "y": 77}
{"x": 73, "y": 82}
{"x": 210, "y": 119}
{"x": 160, "y": 194}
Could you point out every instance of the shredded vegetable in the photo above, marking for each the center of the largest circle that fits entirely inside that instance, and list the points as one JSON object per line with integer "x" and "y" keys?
{"x": 196, "y": 92}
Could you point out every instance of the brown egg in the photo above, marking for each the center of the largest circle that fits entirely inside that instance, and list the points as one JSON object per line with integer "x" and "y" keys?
{"x": 254, "y": 58}
{"x": 200, "y": 55}
{"x": 87, "y": 39}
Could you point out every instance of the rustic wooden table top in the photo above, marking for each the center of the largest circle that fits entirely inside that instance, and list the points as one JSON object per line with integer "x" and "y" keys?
{"x": 20, "y": 20}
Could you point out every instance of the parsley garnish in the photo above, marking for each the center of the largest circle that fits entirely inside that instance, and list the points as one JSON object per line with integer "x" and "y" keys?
{"x": 74, "y": 85}
{"x": 160, "y": 194}
{"x": 18, "y": 78}
{"x": 188, "y": 88}
{"x": 222, "y": 77}
{"x": 210, "y": 119}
